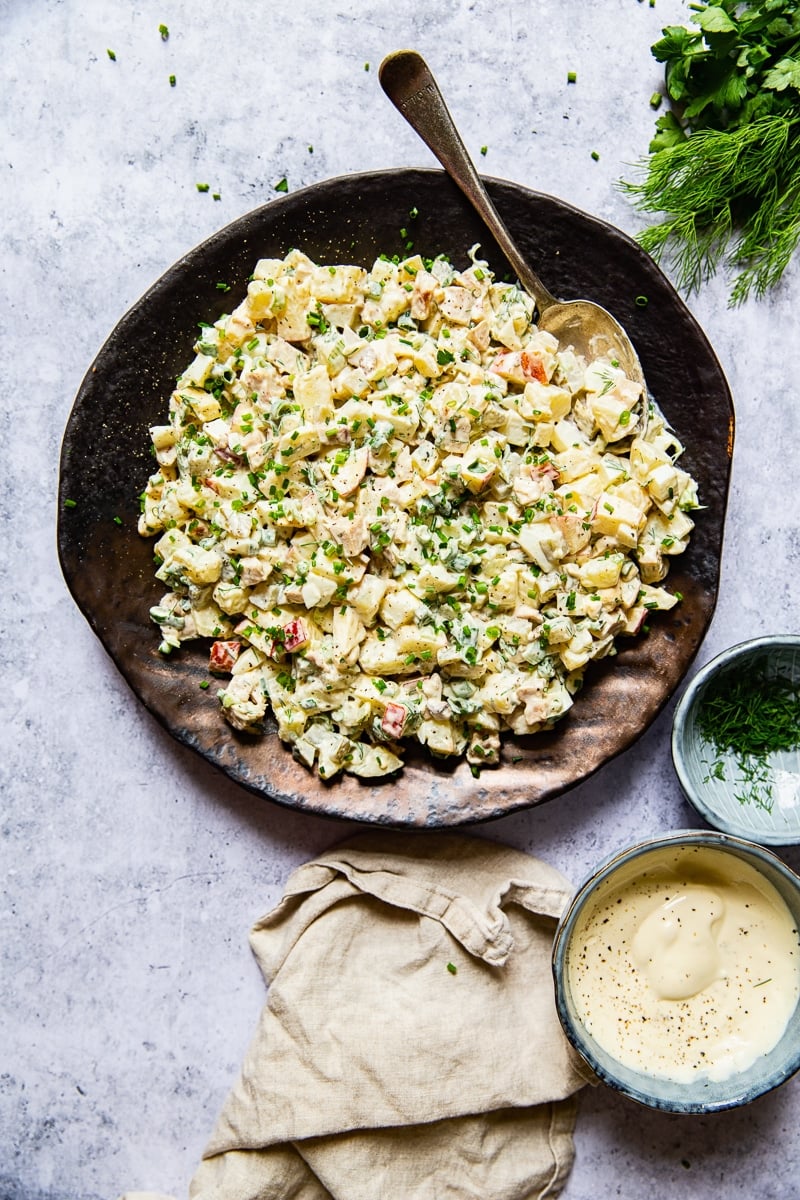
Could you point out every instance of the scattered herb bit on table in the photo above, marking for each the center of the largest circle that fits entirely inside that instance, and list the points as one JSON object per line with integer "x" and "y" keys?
{"x": 724, "y": 165}
{"x": 751, "y": 717}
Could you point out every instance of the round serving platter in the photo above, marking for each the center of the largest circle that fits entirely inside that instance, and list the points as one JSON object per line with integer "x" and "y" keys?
{"x": 105, "y": 462}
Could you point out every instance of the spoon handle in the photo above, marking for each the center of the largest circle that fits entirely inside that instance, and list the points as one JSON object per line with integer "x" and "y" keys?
{"x": 408, "y": 82}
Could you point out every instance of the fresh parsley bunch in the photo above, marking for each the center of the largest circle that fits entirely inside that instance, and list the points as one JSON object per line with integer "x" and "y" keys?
{"x": 724, "y": 164}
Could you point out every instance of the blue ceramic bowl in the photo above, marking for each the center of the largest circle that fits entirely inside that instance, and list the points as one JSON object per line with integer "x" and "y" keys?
{"x": 701, "y": 1095}
{"x": 712, "y": 782}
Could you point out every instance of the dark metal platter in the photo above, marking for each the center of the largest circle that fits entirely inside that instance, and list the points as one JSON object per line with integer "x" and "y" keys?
{"x": 105, "y": 463}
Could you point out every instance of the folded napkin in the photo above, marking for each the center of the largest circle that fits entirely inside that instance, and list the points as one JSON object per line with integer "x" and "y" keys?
{"x": 409, "y": 1048}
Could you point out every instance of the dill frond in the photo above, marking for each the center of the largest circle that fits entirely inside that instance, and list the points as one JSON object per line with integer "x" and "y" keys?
{"x": 729, "y": 197}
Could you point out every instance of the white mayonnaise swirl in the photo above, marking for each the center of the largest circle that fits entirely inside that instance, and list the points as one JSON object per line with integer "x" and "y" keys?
{"x": 686, "y": 964}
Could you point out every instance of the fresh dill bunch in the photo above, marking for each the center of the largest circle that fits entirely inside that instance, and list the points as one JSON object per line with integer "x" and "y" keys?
{"x": 730, "y": 198}
{"x": 724, "y": 164}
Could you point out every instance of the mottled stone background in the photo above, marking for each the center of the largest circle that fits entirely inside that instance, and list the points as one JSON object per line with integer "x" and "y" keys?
{"x": 131, "y": 870}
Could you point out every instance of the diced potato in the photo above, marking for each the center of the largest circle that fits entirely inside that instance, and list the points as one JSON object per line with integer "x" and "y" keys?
{"x": 300, "y": 443}
{"x": 419, "y": 640}
{"x": 601, "y": 572}
{"x": 370, "y": 762}
{"x": 503, "y": 588}
{"x": 172, "y": 541}
{"x": 402, "y": 416}
{"x": 613, "y": 416}
{"x": 434, "y": 577}
{"x": 318, "y": 590}
{"x": 338, "y": 285}
{"x": 441, "y": 737}
{"x": 268, "y": 268}
{"x": 163, "y": 436}
{"x": 662, "y": 482}
{"x": 292, "y": 320}
{"x": 477, "y": 473}
{"x": 201, "y": 566}
{"x": 578, "y": 650}
{"x": 288, "y": 358}
{"x": 376, "y": 360}
{"x": 383, "y": 657}
{"x": 617, "y": 517}
{"x": 203, "y": 404}
{"x": 574, "y": 463}
{"x": 313, "y": 392}
{"x": 367, "y": 595}
{"x": 653, "y": 597}
{"x": 544, "y": 544}
{"x": 567, "y": 436}
{"x": 209, "y": 621}
{"x": 456, "y": 304}
{"x": 557, "y": 631}
{"x": 398, "y": 607}
{"x": 231, "y": 598}
{"x": 499, "y": 693}
{"x": 545, "y": 401}
{"x": 197, "y": 372}
{"x": 345, "y": 469}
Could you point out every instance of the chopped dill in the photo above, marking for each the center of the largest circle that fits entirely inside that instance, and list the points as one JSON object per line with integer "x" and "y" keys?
{"x": 750, "y": 716}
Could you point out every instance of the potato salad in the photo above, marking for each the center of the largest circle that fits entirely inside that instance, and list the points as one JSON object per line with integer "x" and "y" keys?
{"x": 398, "y": 510}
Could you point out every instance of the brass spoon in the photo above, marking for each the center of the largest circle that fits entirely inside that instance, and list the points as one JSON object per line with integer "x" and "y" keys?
{"x": 592, "y": 331}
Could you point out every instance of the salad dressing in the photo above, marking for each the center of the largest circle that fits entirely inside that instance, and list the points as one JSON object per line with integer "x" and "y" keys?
{"x": 689, "y": 967}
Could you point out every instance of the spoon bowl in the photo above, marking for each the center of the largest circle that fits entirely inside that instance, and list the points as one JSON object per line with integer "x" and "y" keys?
{"x": 590, "y": 329}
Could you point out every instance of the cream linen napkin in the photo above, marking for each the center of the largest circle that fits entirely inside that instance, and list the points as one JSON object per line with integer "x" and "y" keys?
{"x": 410, "y": 1047}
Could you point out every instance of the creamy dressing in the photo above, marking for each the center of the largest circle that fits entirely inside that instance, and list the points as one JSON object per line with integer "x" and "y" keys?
{"x": 686, "y": 964}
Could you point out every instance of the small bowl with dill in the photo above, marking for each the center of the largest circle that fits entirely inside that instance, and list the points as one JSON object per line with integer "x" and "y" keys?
{"x": 736, "y": 740}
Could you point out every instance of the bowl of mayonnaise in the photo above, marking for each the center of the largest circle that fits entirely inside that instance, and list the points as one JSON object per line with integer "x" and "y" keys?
{"x": 677, "y": 971}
